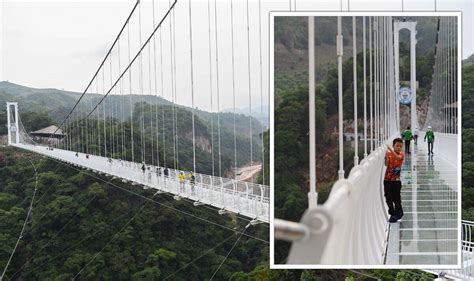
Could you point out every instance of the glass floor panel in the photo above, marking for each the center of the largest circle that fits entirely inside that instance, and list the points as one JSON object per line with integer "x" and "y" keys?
{"x": 429, "y": 259}
{"x": 452, "y": 223}
{"x": 430, "y": 215}
{"x": 428, "y": 246}
{"x": 430, "y": 233}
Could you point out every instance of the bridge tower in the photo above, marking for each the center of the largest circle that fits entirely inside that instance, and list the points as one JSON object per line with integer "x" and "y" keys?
{"x": 411, "y": 26}
{"x": 13, "y": 127}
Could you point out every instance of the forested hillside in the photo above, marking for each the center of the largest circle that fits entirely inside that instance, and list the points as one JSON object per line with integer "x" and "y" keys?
{"x": 291, "y": 60}
{"x": 142, "y": 237}
{"x": 468, "y": 141}
{"x": 132, "y": 233}
{"x": 42, "y": 107}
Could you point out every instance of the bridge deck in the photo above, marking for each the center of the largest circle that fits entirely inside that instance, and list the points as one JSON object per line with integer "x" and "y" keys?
{"x": 428, "y": 232}
{"x": 250, "y": 200}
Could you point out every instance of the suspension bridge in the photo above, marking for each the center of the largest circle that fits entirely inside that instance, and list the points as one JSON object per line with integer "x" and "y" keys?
{"x": 112, "y": 130}
{"x": 93, "y": 136}
{"x": 351, "y": 228}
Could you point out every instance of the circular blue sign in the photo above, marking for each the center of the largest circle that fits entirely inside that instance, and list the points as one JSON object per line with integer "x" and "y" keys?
{"x": 405, "y": 95}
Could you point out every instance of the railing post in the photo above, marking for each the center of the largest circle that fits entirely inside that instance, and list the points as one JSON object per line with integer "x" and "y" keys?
{"x": 261, "y": 200}
{"x": 247, "y": 194}
{"x": 222, "y": 192}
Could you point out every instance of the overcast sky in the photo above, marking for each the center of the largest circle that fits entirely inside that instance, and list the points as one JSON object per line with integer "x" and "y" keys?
{"x": 60, "y": 44}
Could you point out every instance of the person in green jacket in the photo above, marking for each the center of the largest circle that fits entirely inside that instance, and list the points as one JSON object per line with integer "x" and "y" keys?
{"x": 430, "y": 136}
{"x": 407, "y": 137}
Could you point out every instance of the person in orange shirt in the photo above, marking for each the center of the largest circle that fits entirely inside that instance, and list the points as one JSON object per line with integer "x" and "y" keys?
{"x": 392, "y": 184}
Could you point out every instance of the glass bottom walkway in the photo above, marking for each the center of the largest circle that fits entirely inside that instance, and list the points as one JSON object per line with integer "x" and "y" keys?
{"x": 428, "y": 232}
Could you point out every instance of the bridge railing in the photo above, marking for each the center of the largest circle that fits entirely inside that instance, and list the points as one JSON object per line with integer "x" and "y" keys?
{"x": 467, "y": 256}
{"x": 337, "y": 232}
{"x": 228, "y": 194}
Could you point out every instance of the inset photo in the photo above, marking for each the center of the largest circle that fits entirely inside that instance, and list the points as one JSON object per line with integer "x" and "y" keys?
{"x": 366, "y": 152}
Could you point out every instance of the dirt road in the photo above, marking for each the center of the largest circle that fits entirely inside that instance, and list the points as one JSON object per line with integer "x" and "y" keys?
{"x": 249, "y": 172}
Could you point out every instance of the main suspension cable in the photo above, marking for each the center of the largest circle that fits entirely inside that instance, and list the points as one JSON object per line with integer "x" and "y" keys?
{"x": 98, "y": 69}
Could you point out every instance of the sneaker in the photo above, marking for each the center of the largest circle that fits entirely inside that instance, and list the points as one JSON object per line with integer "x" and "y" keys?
{"x": 400, "y": 215}
{"x": 392, "y": 219}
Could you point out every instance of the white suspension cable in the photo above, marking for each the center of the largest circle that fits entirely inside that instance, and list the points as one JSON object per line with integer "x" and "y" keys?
{"x": 88, "y": 129}
{"x": 103, "y": 109}
{"x": 192, "y": 82}
{"x": 217, "y": 82}
{"x": 81, "y": 130}
{"x": 111, "y": 112}
{"x": 365, "y": 86}
{"x": 175, "y": 92}
{"x": 156, "y": 91}
{"x": 371, "y": 51}
{"x": 448, "y": 110}
{"x": 377, "y": 106}
{"x": 141, "y": 93}
{"x": 172, "y": 92}
{"x": 386, "y": 76}
{"x": 122, "y": 102}
{"x": 99, "y": 137}
{"x": 312, "y": 194}
{"x": 217, "y": 88}
{"x": 340, "y": 47}
{"x": 354, "y": 64}
{"x": 233, "y": 85}
{"x": 384, "y": 73}
{"x": 131, "y": 98}
{"x": 453, "y": 76}
{"x": 448, "y": 76}
{"x": 384, "y": 48}
{"x": 152, "y": 94}
{"x": 250, "y": 88}
{"x": 210, "y": 89}
{"x": 162, "y": 100}
{"x": 261, "y": 87}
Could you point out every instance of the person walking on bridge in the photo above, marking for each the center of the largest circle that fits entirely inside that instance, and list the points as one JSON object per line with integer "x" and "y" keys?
{"x": 166, "y": 174}
{"x": 192, "y": 181}
{"x": 182, "y": 179}
{"x": 407, "y": 136}
{"x": 392, "y": 184}
{"x": 430, "y": 136}
{"x": 415, "y": 135}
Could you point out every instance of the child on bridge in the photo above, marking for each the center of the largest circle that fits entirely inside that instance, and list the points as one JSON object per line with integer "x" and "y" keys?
{"x": 392, "y": 184}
